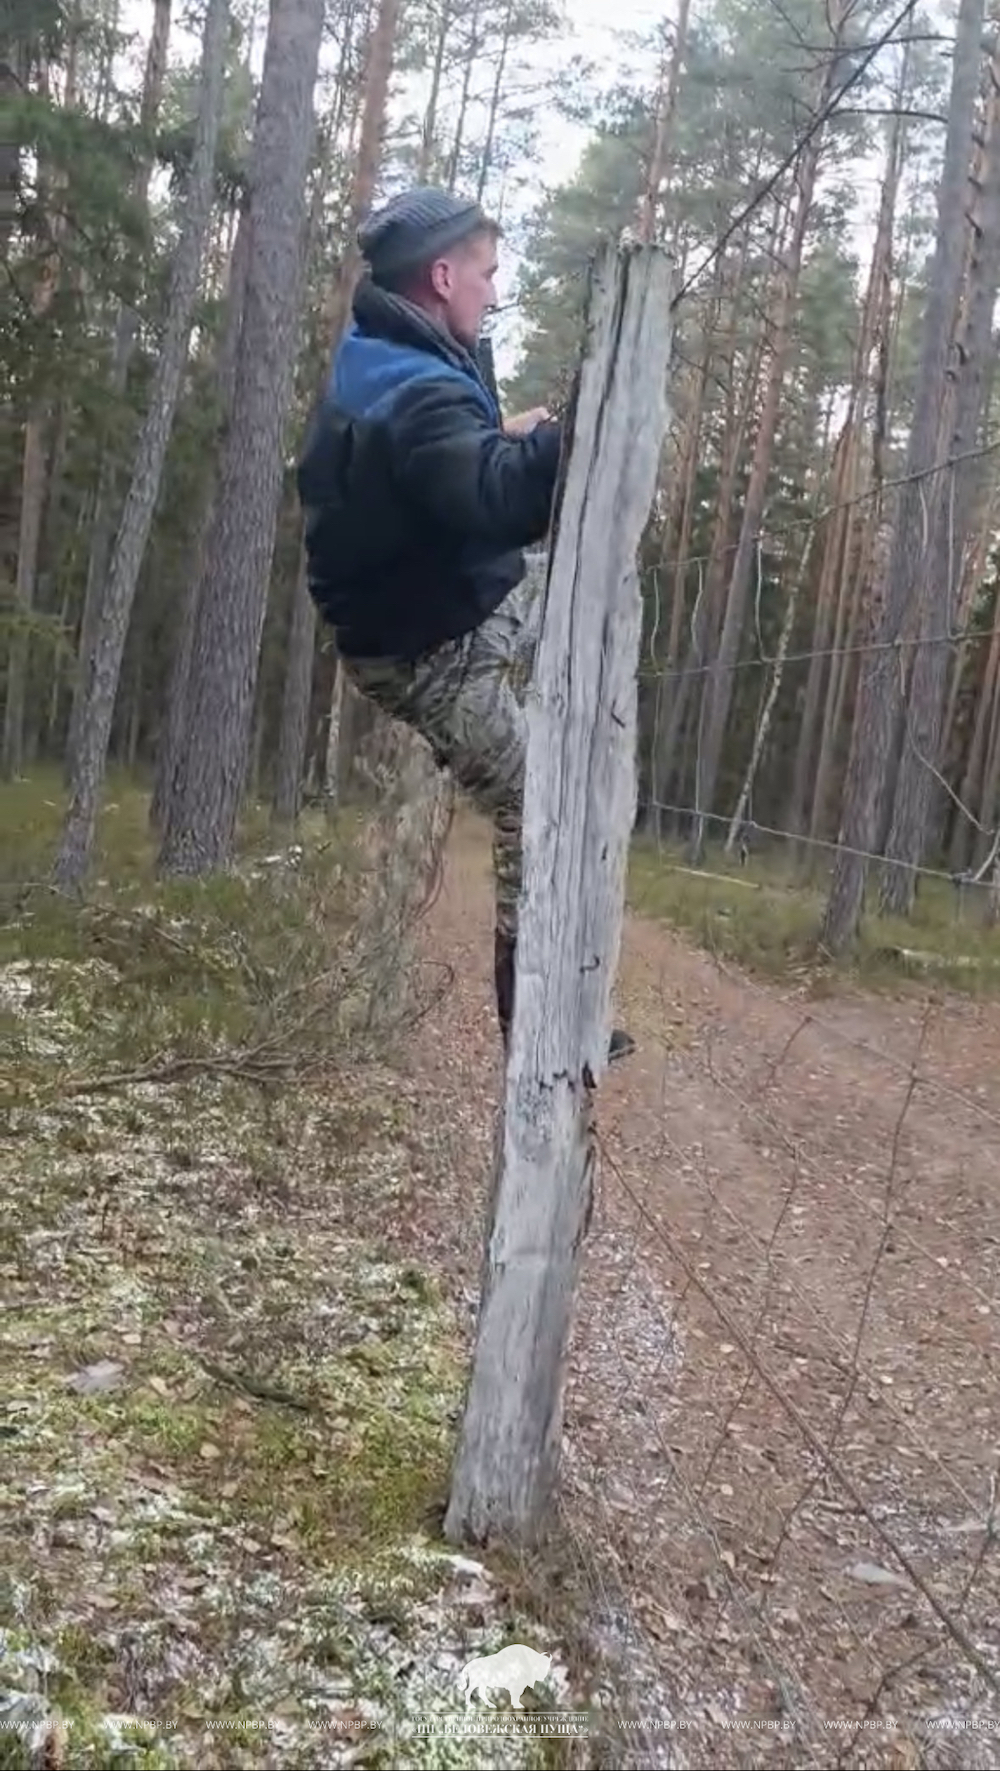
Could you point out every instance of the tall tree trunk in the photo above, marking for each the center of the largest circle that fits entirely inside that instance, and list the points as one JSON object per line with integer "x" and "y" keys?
{"x": 12, "y": 79}
{"x": 871, "y": 568}
{"x": 49, "y": 574}
{"x": 915, "y": 797}
{"x": 989, "y": 811}
{"x": 705, "y": 617}
{"x": 429, "y": 126}
{"x": 719, "y": 685}
{"x": 105, "y": 86}
{"x": 33, "y": 481}
{"x": 300, "y": 650}
{"x": 296, "y": 700}
{"x": 680, "y": 542}
{"x": 126, "y": 332}
{"x": 171, "y": 739}
{"x": 947, "y": 815}
{"x": 879, "y": 696}
{"x": 458, "y": 139}
{"x": 771, "y": 700}
{"x": 378, "y": 74}
{"x": 666, "y": 111}
{"x": 200, "y": 823}
{"x": 961, "y": 846}
{"x": 486, "y": 157}
{"x": 35, "y": 463}
{"x": 332, "y": 741}
{"x": 88, "y": 763}
{"x": 841, "y": 561}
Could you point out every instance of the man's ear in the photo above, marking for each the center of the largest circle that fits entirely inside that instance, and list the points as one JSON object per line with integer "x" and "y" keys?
{"x": 440, "y": 278}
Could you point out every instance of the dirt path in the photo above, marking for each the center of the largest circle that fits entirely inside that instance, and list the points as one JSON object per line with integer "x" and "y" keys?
{"x": 796, "y": 1247}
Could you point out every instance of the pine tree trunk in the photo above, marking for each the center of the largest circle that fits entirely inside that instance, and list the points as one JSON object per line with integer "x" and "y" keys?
{"x": 972, "y": 778}
{"x": 719, "y": 686}
{"x": 677, "y": 542}
{"x": 35, "y": 462}
{"x": 845, "y": 546}
{"x": 458, "y": 139}
{"x": 771, "y": 701}
{"x": 171, "y": 739}
{"x": 916, "y": 786}
{"x": 11, "y": 82}
{"x": 677, "y": 538}
{"x": 296, "y": 700}
{"x": 948, "y": 820}
{"x": 378, "y": 74}
{"x": 33, "y": 480}
{"x": 429, "y": 127}
{"x": 90, "y": 759}
{"x": 827, "y": 613}
{"x": 707, "y": 610}
{"x": 331, "y": 754}
{"x": 862, "y": 579}
{"x": 300, "y": 650}
{"x": 879, "y": 696}
{"x": 200, "y": 821}
{"x": 51, "y": 570}
{"x": 486, "y": 157}
{"x": 666, "y": 111}
{"x": 871, "y": 565}
{"x": 126, "y": 332}
{"x": 989, "y": 810}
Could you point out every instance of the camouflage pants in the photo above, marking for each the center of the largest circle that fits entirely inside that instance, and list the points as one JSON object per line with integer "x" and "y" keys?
{"x": 467, "y": 700}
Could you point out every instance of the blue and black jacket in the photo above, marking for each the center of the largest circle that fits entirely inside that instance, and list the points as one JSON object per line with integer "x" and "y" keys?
{"x": 417, "y": 506}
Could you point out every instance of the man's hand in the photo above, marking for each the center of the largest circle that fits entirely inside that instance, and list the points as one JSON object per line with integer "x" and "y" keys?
{"x": 523, "y": 423}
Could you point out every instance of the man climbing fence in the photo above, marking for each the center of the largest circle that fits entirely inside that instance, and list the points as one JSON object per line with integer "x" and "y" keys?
{"x": 419, "y": 501}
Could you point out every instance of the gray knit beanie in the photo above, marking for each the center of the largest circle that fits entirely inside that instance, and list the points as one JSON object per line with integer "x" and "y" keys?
{"x": 415, "y": 227}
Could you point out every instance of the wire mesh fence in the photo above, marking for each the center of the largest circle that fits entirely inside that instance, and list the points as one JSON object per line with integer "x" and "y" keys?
{"x": 789, "y": 1430}
{"x": 783, "y": 1430}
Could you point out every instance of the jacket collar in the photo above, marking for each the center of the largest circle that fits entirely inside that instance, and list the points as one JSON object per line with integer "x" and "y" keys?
{"x": 391, "y": 317}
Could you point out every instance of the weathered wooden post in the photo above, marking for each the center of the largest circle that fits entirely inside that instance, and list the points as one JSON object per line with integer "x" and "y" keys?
{"x": 578, "y": 813}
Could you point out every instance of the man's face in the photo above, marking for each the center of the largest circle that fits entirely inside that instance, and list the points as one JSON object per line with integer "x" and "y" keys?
{"x": 464, "y": 284}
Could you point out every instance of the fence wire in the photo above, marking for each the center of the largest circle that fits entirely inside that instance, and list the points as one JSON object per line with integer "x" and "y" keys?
{"x": 782, "y": 1419}
{"x": 782, "y": 1451}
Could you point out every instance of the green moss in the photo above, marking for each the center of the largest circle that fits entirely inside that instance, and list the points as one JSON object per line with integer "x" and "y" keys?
{"x": 86, "y": 1654}
{"x": 174, "y": 1430}
{"x": 81, "y": 1742}
{"x": 142, "y": 965}
{"x": 254, "y": 1499}
{"x": 57, "y": 1698}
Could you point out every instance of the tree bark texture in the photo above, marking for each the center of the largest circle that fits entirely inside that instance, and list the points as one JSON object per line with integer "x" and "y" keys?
{"x": 578, "y": 814}
{"x": 880, "y": 690}
{"x": 126, "y": 329}
{"x": 916, "y": 794}
{"x": 104, "y": 667}
{"x": 201, "y": 814}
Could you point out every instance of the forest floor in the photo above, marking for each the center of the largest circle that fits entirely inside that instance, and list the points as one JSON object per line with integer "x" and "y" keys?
{"x": 235, "y": 1316}
{"x": 783, "y": 1426}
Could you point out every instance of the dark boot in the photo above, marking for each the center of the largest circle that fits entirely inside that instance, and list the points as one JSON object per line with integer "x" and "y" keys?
{"x": 622, "y": 1044}
{"x": 503, "y": 971}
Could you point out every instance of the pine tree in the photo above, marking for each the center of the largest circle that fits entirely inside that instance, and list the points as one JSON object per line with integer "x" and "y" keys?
{"x": 201, "y": 812}
{"x": 103, "y": 667}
